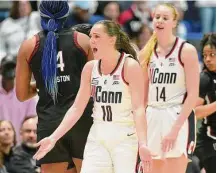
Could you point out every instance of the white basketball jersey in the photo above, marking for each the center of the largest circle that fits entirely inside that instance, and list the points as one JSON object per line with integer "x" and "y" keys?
{"x": 112, "y": 98}
{"x": 167, "y": 85}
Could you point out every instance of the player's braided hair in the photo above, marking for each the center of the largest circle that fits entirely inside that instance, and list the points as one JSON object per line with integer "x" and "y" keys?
{"x": 53, "y": 15}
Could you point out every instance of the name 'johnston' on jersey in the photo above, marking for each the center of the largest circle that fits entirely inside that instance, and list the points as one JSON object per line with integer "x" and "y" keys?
{"x": 111, "y": 93}
{"x": 167, "y": 85}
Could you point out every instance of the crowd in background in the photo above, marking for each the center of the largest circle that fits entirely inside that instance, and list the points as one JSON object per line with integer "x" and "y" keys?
{"x": 20, "y": 20}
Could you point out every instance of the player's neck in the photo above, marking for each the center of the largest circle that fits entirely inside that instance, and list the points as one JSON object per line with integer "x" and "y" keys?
{"x": 165, "y": 42}
{"x": 109, "y": 62}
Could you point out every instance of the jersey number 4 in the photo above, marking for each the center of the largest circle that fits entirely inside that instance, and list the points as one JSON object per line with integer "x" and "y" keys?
{"x": 107, "y": 113}
{"x": 161, "y": 94}
{"x": 60, "y": 63}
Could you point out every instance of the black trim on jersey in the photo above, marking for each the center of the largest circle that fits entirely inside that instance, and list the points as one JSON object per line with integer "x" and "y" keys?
{"x": 179, "y": 54}
{"x": 170, "y": 52}
{"x": 184, "y": 98}
{"x": 116, "y": 67}
{"x": 122, "y": 72}
{"x": 122, "y": 75}
{"x": 37, "y": 43}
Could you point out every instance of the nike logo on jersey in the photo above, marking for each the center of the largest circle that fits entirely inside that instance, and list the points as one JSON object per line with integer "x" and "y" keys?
{"x": 130, "y": 134}
{"x": 115, "y": 83}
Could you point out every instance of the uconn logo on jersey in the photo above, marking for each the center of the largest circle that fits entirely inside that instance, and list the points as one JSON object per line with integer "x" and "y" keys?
{"x": 162, "y": 78}
{"x": 101, "y": 96}
{"x": 106, "y": 96}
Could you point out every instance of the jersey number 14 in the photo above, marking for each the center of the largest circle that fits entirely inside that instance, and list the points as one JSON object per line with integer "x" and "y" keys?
{"x": 161, "y": 94}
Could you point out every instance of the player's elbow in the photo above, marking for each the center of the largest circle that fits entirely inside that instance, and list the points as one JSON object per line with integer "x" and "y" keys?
{"x": 21, "y": 96}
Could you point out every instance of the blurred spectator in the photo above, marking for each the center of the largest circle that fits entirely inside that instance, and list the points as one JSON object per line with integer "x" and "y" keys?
{"x": 2, "y": 167}
{"x": 80, "y": 13}
{"x": 110, "y": 10}
{"x": 10, "y": 108}
{"x": 138, "y": 10}
{"x": 7, "y": 141}
{"x": 133, "y": 18}
{"x": 132, "y": 27}
{"x": 144, "y": 35}
{"x": 21, "y": 24}
{"x": 21, "y": 160}
{"x": 125, "y": 4}
{"x": 181, "y": 29}
{"x": 207, "y": 11}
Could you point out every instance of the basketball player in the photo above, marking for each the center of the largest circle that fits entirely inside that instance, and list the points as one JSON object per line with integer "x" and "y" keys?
{"x": 206, "y": 137}
{"x": 172, "y": 78}
{"x": 115, "y": 81}
{"x": 56, "y": 57}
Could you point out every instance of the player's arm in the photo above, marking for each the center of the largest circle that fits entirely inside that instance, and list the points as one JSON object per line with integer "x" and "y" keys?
{"x": 146, "y": 79}
{"x": 77, "y": 109}
{"x": 84, "y": 42}
{"x": 189, "y": 59}
{"x": 134, "y": 76}
{"x": 25, "y": 89}
{"x": 202, "y": 110}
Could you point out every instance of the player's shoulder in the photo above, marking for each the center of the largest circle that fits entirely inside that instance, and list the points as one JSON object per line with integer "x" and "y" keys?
{"x": 188, "y": 48}
{"x": 90, "y": 64}
{"x": 29, "y": 45}
{"x": 83, "y": 41}
{"x": 130, "y": 61}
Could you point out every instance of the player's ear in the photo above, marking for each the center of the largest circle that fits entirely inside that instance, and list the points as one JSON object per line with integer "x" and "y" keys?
{"x": 113, "y": 40}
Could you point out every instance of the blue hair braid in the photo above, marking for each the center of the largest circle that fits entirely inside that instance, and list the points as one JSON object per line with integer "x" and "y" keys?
{"x": 53, "y": 15}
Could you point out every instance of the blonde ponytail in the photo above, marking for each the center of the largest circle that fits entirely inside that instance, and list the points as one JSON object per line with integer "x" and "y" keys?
{"x": 146, "y": 52}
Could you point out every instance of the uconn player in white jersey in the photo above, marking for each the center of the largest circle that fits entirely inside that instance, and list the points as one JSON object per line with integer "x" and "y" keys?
{"x": 172, "y": 69}
{"x": 116, "y": 82}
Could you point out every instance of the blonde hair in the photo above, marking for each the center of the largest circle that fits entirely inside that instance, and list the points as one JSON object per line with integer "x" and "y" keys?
{"x": 148, "y": 49}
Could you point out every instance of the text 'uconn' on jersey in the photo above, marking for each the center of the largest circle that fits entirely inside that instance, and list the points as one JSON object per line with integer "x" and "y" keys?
{"x": 103, "y": 96}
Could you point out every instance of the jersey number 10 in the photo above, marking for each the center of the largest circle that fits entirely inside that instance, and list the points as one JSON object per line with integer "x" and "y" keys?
{"x": 107, "y": 113}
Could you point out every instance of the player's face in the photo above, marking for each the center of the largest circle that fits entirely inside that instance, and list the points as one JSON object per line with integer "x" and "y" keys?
{"x": 163, "y": 19}
{"x": 209, "y": 57}
{"x": 99, "y": 41}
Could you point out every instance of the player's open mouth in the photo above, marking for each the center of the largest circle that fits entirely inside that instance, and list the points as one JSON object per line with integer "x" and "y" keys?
{"x": 158, "y": 27}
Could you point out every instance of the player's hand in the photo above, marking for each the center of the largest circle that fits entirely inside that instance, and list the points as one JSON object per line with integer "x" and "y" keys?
{"x": 169, "y": 140}
{"x": 146, "y": 159}
{"x": 46, "y": 145}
